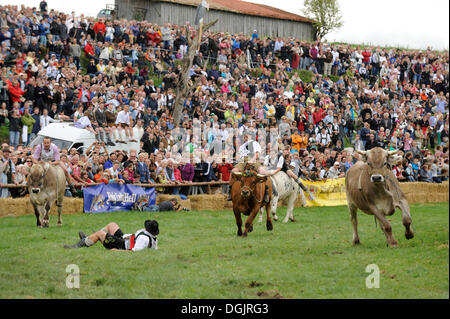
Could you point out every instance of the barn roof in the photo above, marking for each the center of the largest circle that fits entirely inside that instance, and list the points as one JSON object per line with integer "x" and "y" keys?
{"x": 243, "y": 7}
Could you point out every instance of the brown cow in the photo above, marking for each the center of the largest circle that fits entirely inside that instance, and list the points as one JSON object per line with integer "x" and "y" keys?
{"x": 247, "y": 194}
{"x": 372, "y": 187}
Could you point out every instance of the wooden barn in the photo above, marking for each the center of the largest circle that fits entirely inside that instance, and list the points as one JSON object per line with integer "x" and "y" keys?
{"x": 234, "y": 16}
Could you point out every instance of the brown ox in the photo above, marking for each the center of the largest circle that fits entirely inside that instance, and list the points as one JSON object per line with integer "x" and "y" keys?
{"x": 372, "y": 187}
{"x": 46, "y": 184}
{"x": 247, "y": 194}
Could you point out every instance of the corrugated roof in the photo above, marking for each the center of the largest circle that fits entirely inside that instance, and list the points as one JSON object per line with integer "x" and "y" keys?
{"x": 243, "y": 7}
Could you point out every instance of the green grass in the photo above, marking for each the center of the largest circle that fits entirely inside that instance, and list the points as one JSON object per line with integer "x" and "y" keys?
{"x": 200, "y": 256}
{"x": 4, "y": 133}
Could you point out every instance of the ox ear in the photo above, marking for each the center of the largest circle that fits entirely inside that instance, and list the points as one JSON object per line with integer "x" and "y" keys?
{"x": 237, "y": 176}
{"x": 394, "y": 159}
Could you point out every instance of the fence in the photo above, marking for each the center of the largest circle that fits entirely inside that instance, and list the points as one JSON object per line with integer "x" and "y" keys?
{"x": 193, "y": 184}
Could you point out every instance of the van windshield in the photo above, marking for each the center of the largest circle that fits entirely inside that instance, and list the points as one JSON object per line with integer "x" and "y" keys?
{"x": 62, "y": 144}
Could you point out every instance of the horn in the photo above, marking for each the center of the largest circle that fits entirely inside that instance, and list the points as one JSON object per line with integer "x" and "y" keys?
{"x": 238, "y": 173}
{"x": 259, "y": 175}
{"x": 361, "y": 152}
{"x": 393, "y": 152}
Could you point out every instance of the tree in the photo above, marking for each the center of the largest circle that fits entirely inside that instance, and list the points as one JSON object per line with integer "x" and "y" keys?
{"x": 326, "y": 15}
{"x": 185, "y": 86}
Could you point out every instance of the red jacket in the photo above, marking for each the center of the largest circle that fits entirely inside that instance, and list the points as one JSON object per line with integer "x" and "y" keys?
{"x": 177, "y": 175}
{"x": 318, "y": 115}
{"x": 366, "y": 56}
{"x": 99, "y": 27}
{"x": 15, "y": 91}
{"x": 89, "y": 49}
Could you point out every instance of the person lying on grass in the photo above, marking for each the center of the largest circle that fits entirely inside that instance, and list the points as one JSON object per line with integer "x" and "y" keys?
{"x": 113, "y": 238}
{"x": 165, "y": 206}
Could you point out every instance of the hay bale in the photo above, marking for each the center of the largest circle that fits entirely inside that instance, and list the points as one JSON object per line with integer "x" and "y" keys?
{"x": 421, "y": 192}
{"x": 208, "y": 202}
{"x": 15, "y": 207}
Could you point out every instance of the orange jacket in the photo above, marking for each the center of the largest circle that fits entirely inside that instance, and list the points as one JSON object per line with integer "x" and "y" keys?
{"x": 304, "y": 142}
{"x": 296, "y": 140}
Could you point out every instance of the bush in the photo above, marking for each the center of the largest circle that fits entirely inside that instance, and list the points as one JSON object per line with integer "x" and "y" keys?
{"x": 4, "y": 133}
{"x": 305, "y": 75}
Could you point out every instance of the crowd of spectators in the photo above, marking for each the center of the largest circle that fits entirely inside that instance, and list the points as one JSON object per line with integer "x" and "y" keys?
{"x": 118, "y": 79}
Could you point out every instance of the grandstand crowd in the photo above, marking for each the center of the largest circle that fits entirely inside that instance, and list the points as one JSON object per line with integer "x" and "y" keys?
{"x": 119, "y": 79}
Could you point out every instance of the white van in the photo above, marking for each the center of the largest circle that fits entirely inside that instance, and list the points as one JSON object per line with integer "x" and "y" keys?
{"x": 65, "y": 135}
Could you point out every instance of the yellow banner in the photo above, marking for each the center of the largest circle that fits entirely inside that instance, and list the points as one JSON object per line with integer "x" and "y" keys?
{"x": 325, "y": 193}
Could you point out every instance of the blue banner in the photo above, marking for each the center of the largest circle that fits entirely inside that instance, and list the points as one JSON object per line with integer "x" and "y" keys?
{"x": 116, "y": 197}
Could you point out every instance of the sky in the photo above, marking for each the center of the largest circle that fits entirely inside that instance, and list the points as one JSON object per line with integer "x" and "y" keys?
{"x": 414, "y": 24}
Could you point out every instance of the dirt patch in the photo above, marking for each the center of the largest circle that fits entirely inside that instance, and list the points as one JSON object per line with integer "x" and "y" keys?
{"x": 254, "y": 284}
{"x": 270, "y": 294}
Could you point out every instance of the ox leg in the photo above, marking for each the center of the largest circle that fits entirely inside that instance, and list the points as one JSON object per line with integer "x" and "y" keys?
{"x": 406, "y": 219}
{"x": 260, "y": 215}
{"x": 387, "y": 229}
{"x": 269, "y": 224}
{"x": 274, "y": 206}
{"x": 237, "y": 216}
{"x": 354, "y": 219}
{"x": 290, "y": 209}
{"x": 45, "y": 221}
{"x": 248, "y": 227}
{"x": 59, "y": 206}
{"x": 38, "y": 217}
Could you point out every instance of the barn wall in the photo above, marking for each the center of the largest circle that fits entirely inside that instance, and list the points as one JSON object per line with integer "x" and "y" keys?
{"x": 161, "y": 12}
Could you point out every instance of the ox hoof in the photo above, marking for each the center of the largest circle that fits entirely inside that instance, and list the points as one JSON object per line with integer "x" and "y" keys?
{"x": 269, "y": 226}
{"x": 244, "y": 234}
{"x": 356, "y": 241}
{"x": 59, "y": 224}
{"x": 393, "y": 244}
{"x": 250, "y": 229}
{"x": 409, "y": 235}
{"x": 292, "y": 219}
{"x": 239, "y": 232}
{"x": 275, "y": 217}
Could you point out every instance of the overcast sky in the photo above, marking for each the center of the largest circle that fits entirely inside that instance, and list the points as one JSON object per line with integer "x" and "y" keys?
{"x": 406, "y": 23}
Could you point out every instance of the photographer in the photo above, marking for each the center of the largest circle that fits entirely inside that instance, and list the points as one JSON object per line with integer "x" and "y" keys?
{"x": 170, "y": 205}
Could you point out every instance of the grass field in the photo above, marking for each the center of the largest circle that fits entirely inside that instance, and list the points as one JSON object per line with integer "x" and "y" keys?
{"x": 200, "y": 256}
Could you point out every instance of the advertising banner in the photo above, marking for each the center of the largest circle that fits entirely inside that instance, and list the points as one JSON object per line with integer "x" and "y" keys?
{"x": 325, "y": 193}
{"x": 116, "y": 197}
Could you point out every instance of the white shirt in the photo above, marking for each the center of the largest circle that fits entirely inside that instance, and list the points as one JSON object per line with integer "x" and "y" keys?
{"x": 141, "y": 241}
{"x": 138, "y": 132}
{"x": 244, "y": 149}
{"x": 325, "y": 138}
{"x": 123, "y": 117}
{"x": 46, "y": 120}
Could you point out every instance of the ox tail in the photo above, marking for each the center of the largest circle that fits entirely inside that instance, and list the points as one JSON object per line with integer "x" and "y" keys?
{"x": 274, "y": 188}
{"x": 375, "y": 219}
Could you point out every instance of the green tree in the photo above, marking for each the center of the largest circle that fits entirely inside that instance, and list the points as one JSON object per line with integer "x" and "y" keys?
{"x": 326, "y": 15}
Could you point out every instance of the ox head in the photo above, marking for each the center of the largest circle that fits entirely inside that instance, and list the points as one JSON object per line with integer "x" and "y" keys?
{"x": 36, "y": 179}
{"x": 249, "y": 178}
{"x": 379, "y": 162}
